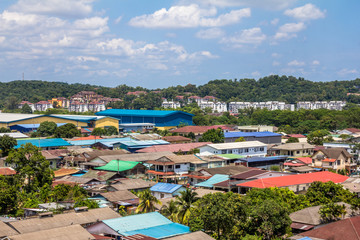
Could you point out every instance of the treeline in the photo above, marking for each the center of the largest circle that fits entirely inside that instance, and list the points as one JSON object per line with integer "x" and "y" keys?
{"x": 271, "y": 88}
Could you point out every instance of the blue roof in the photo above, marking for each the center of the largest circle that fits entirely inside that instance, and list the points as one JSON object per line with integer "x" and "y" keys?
{"x": 138, "y": 113}
{"x": 250, "y": 134}
{"x": 104, "y": 140}
{"x": 213, "y": 180}
{"x": 165, "y": 187}
{"x": 48, "y": 142}
{"x": 80, "y": 118}
{"x": 163, "y": 231}
{"x": 31, "y": 126}
{"x": 154, "y": 224}
{"x": 263, "y": 159}
{"x": 126, "y": 141}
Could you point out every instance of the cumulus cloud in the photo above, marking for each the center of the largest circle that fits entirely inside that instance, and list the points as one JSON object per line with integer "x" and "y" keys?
{"x": 296, "y": 63}
{"x": 275, "y": 21}
{"x": 315, "y": 62}
{"x": 268, "y": 4}
{"x": 305, "y": 13}
{"x": 210, "y": 33}
{"x": 289, "y": 30}
{"x": 346, "y": 71}
{"x": 248, "y": 36}
{"x": 189, "y": 16}
{"x": 68, "y": 8}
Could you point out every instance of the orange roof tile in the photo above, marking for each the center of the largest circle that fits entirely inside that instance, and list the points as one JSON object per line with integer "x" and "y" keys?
{"x": 306, "y": 160}
{"x": 297, "y": 179}
{"x": 6, "y": 171}
{"x": 64, "y": 172}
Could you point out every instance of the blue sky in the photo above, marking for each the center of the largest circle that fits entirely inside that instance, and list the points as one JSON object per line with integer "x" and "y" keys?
{"x": 162, "y": 43}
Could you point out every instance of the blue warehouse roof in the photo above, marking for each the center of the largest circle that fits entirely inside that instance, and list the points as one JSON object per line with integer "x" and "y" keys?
{"x": 263, "y": 159}
{"x": 150, "y": 224}
{"x": 48, "y": 142}
{"x": 250, "y": 134}
{"x": 33, "y": 126}
{"x": 138, "y": 113}
{"x": 165, "y": 187}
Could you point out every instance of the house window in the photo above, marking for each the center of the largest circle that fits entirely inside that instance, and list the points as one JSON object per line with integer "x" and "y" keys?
{"x": 262, "y": 149}
{"x": 297, "y": 152}
{"x": 240, "y": 150}
{"x": 230, "y": 151}
{"x": 162, "y": 195}
{"x": 177, "y": 166}
{"x": 330, "y": 163}
{"x": 255, "y": 149}
{"x": 160, "y": 168}
{"x": 223, "y": 151}
{"x": 51, "y": 163}
{"x": 313, "y": 161}
{"x": 246, "y": 150}
{"x": 338, "y": 162}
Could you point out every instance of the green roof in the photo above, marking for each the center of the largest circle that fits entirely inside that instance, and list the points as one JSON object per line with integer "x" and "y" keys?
{"x": 118, "y": 165}
{"x": 230, "y": 156}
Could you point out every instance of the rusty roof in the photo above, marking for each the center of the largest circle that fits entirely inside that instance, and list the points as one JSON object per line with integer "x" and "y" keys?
{"x": 65, "y": 171}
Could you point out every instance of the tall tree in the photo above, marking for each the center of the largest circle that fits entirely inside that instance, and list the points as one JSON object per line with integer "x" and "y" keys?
{"x": 317, "y": 137}
{"x": 6, "y": 144}
{"x": 46, "y": 128}
{"x": 31, "y": 166}
{"x": 26, "y": 108}
{"x": 68, "y": 130}
{"x": 147, "y": 202}
{"x": 170, "y": 211}
{"x": 213, "y": 135}
{"x": 185, "y": 202}
{"x": 111, "y": 131}
{"x": 332, "y": 212}
{"x": 98, "y": 132}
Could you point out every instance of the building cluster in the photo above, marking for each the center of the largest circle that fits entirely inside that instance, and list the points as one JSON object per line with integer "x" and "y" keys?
{"x": 331, "y": 105}
{"x": 271, "y": 105}
{"x": 207, "y": 102}
{"x": 84, "y": 101}
{"x": 111, "y": 169}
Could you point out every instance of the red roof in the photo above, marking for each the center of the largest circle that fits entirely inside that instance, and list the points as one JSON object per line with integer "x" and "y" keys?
{"x": 209, "y": 97}
{"x": 6, "y": 171}
{"x": 200, "y": 129}
{"x": 353, "y": 130}
{"x": 91, "y": 137}
{"x": 306, "y": 160}
{"x": 176, "y": 139}
{"x": 43, "y": 102}
{"x": 296, "y": 136}
{"x": 344, "y": 229}
{"x": 184, "y": 147}
{"x": 329, "y": 160}
{"x": 293, "y": 164}
{"x": 297, "y": 179}
{"x": 160, "y": 173}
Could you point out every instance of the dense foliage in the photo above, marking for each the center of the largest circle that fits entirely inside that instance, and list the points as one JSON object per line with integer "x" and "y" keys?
{"x": 270, "y": 88}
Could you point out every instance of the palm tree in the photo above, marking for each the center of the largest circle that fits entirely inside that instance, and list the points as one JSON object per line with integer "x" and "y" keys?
{"x": 170, "y": 211}
{"x": 147, "y": 202}
{"x": 185, "y": 201}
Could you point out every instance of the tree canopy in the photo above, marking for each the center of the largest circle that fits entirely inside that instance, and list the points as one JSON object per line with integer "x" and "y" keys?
{"x": 213, "y": 135}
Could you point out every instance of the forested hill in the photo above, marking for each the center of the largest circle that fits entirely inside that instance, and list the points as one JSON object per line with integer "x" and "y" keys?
{"x": 276, "y": 88}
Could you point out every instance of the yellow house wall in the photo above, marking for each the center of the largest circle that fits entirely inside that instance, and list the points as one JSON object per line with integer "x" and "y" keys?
{"x": 39, "y": 120}
{"x": 107, "y": 122}
{"x": 165, "y": 128}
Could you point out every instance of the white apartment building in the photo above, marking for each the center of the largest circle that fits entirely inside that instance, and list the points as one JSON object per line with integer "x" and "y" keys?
{"x": 271, "y": 105}
{"x": 43, "y": 106}
{"x": 331, "y": 105}
{"x": 215, "y": 106}
{"x": 170, "y": 104}
{"x": 252, "y": 148}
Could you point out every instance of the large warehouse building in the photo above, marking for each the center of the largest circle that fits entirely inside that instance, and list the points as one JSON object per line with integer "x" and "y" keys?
{"x": 161, "y": 119}
{"x": 16, "y": 120}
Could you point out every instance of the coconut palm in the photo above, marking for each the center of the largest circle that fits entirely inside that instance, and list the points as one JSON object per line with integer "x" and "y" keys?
{"x": 170, "y": 210}
{"x": 147, "y": 202}
{"x": 185, "y": 201}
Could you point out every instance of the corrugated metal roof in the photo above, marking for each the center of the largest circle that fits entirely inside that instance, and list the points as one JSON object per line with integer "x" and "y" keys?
{"x": 12, "y": 117}
{"x": 213, "y": 180}
{"x": 233, "y": 145}
{"x": 90, "y": 142}
{"x": 14, "y": 135}
{"x": 31, "y": 126}
{"x": 262, "y": 159}
{"x": 250, "y": 134}
{"x": 165, "y": 187}
{"x": 163, "y": 231}
{"x": 138, "y": 113}
{"x": 118, "y": 165}
{"x": 48, "y": 142}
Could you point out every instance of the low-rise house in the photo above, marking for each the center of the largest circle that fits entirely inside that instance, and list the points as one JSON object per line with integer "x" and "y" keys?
{"x": 177, "y": 139}
{"x": 344, "y": 229}
{"x": 123, "y": 198}
{"x": 256, "y": 128}
{"x": 293, "y": 149}
{"x": 297, "y": 162}
{"x": 300, "y": 137}
{"x": 253, "y": 148}
{"x": 166, "y": 190}
{"x": 151, "y": 224}
{"x": 262, "y": 162}
{"x": 124, "y": 168}
{"x": 7, "y": 171}
{"x": 83, "y": 218}
{"x": 353, "y": 185}
{"x": 170, "y": 104}
{"x": 51, "y": 206}
{"x": 350, "y": 131}
{"x": 296, "y": 182}
{"x": 135, "y": 185}
{"x": 31, "y": 105}
{"x": 264, "y": 137}
{"x": 308, "y": 218}
{"x": 102, "y": 176}
{"x": 175, "y": 148}
{"x": 199, "y": 130}
{"x": 67, "y": 232}
{"x": 65, "y": 172}
{"x": 43, "y": 106}
{"x": 335, "y": 159}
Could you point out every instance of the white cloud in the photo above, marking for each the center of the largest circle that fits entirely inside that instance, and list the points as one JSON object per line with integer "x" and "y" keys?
{"x": 276, "y": 55}
{"x": 255, "y": 74}
{"x": 346, "y": 71}
{"x": 118, "y": 20}
{"x": 305, "y": 13}
{"x": 72, "y": 8}
{"x": 268, "y": 4}
{"x": 84, "y": 59}
{"x": 275, "y": 21}
{"x": 210, "y": 33}
{"x": 289, "y": 30}
{"x": 296, "y": 63}
{"x": 187, "y": 17}
{"x": 276, "y": 63}
{"x": 315, "y": 62}
{"x": 248, "y": 36}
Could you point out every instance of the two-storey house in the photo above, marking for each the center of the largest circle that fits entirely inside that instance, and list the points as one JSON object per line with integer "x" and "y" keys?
{"x": 252, "y": 148}
{"x": 333, "y": 158}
